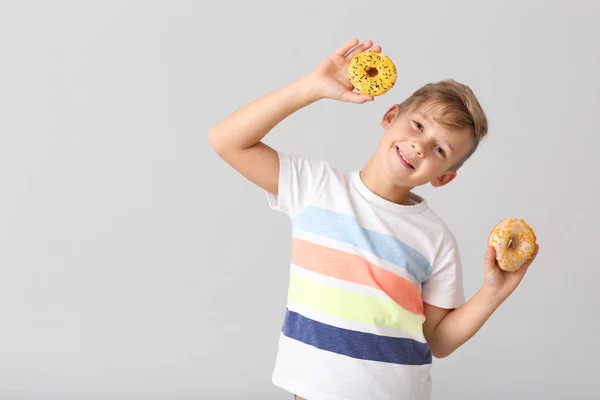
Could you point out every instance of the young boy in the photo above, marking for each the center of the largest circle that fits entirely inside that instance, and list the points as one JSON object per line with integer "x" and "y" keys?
{"x": 376, "y": 282}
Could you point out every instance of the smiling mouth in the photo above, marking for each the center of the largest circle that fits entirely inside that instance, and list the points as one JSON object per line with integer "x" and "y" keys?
{"x": 404, "y": 158}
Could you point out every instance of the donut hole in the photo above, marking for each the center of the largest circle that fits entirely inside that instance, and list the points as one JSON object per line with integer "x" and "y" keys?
{"x": 511, "y": 244}
{"x": 372, "y": 72}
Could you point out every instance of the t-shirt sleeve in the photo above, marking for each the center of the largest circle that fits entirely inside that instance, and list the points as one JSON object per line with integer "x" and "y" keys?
{"x": 444, "y": 286}
{"x": 299, "y": 181}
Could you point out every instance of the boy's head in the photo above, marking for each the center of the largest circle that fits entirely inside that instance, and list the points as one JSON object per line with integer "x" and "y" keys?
{"x": 436, "y": 130}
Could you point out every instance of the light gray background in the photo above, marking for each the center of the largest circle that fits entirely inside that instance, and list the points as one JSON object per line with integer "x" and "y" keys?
{"x": 135, "y": 264}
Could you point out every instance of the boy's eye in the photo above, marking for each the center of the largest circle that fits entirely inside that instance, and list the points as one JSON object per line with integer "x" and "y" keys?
{"x": 418, "y": 125}
{"x": 440, "y": 150}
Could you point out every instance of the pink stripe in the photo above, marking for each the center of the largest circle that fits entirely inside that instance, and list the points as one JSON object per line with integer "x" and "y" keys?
{"x": 353, "y": 268}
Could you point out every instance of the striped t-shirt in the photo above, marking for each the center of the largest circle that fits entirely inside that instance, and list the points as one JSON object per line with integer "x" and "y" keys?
{"x": 361, "y": 268}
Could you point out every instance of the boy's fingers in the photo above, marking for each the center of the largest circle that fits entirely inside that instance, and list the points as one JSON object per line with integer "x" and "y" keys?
{"x": 523, "y": 270}
{"x": 534, "y": 255}
{"x": 357, "y": 98}
{"x": 346, "y": 47}
{"x": 365, "y": 46}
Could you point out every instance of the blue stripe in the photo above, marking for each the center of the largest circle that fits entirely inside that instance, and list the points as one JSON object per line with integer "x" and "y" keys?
{"x": 364, "y": 346}
{"x": 346, "y": 229}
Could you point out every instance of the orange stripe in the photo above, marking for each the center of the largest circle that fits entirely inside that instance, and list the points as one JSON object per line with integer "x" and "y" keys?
{"x": 353, "y": 268}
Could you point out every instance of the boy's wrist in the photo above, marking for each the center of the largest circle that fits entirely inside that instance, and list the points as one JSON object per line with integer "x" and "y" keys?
{"x": 492, "y": 297}
{"x": 309, "y": 88}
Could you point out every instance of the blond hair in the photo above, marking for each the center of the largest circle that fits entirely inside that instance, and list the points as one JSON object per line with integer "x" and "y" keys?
{"x": 458, "y": 109}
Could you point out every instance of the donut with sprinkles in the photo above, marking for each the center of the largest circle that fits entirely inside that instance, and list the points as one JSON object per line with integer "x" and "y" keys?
{"x": 514, "y": 241}
{"x": 372, "y": 73}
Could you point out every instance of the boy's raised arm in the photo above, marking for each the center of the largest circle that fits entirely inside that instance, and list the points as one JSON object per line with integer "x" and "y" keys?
{"x": 237, "y": 138}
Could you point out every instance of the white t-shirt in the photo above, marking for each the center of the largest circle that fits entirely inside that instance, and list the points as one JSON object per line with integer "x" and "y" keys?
{"x": 361, "y": 268}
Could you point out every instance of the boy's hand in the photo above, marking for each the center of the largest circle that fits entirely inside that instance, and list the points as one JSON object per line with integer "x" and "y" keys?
{"x": 499, "y": 283}
{"x": 331, "y": 76}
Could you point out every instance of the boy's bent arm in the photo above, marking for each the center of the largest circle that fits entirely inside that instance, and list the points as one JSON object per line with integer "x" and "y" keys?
{"x": 446, "y": 330}
{"x": 237, "y": 138}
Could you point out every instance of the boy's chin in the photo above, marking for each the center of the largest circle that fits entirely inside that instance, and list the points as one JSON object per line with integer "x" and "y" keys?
{"x": 411, "y": 182}
{"x": 401, "y": 178}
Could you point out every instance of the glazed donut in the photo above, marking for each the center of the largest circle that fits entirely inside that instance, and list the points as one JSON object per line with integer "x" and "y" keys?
{"x": 514, "y": 241}
{"x": 372, "y": 73}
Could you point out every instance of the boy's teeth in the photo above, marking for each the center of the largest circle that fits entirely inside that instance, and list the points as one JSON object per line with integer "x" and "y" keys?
{"x": 404, "y": 158}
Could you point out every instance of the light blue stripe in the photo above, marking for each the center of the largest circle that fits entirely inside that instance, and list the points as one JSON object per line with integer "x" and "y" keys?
{"x": 344, "y": 228}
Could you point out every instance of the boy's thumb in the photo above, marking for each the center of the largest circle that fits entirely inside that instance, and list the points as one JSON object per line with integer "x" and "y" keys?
{"x": 490, "y": 258}
{"x": 357, "y": 98}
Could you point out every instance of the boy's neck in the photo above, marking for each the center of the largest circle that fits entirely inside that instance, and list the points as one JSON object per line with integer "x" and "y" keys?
{"x": 377, "y": 183}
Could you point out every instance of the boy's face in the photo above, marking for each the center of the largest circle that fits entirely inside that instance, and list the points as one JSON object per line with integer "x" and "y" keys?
{"x": 416, "y": 149}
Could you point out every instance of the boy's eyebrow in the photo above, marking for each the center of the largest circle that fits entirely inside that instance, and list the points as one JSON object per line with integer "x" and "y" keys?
{"x": 426, "y": 118}
{"x": 423, "y": 116}
{"x": 449, "y": 147}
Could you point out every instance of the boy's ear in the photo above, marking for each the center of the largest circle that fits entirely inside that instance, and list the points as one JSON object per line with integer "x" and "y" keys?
{"x": 444, "y": 179}
{"x": 390, "y": 116}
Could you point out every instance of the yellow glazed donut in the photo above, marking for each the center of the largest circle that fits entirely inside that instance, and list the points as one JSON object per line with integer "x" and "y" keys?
{"x": 514, "y": 241}
{"x": 372, "y": 73}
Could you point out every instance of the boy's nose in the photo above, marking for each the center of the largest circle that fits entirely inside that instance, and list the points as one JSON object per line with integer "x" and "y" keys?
{"x": 418, "y": 148}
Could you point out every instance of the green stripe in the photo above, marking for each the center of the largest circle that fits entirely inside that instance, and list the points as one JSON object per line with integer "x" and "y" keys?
{"x": 351, "y": 306}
